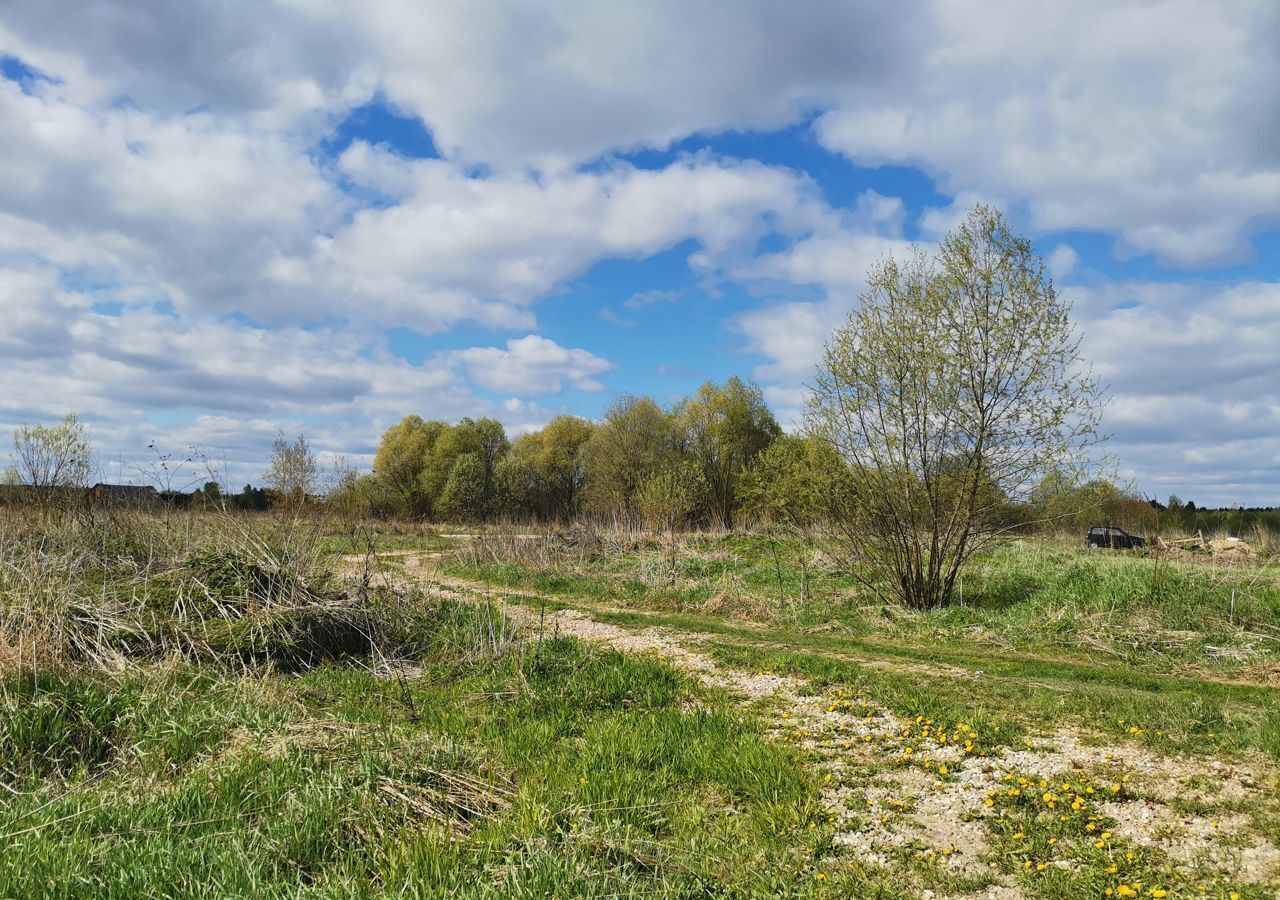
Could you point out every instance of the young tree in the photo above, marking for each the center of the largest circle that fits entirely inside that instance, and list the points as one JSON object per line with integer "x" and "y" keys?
{"x": 483, "y": 437}
{"x": 466, "y": 494}
{"x": 791, "y": 481}
{"x": 53, "y": 457}
{"x": 724, "y": 429}
{"x": 955, "y": 386}
{"x": 668, "y": 497}
{"x": 293, "y": 470}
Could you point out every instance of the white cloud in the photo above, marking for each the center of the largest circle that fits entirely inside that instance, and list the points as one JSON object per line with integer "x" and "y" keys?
{"x": 227, "y": 386}
{"x": 459, "y": 247}
{"x": 1142, "y": 118}
{"x": 531, "y": 366}
{"x": 1154, "y": 120}
{"x": 1062, "y": 261}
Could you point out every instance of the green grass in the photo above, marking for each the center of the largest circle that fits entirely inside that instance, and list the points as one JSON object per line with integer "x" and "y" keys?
{"x": 1041, "y": 598}
{"x": 492, "y": 765}
{"x": 555, "y": 769}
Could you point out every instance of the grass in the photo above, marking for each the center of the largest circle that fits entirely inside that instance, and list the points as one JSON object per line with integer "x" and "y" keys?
{"x": 171, "y": 755}
{"x": 203, "y": 707}
{"x": 566, "y": 770}
{"x": 1046, "y": 598}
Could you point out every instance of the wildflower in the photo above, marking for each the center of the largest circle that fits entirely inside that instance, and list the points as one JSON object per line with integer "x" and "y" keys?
{"x": 1125, "y": 891}
{"x": 1158, "y": 892}
{"x": 822, "y": 877}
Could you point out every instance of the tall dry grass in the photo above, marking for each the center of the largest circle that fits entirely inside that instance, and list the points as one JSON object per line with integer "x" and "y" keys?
{"x": 108, "y": 590}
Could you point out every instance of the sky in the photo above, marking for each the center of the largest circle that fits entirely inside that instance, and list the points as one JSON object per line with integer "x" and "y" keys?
{"x": 219, "y": 219}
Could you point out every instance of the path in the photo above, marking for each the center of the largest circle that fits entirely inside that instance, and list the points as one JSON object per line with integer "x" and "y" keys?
{"x": 922, "y": 791}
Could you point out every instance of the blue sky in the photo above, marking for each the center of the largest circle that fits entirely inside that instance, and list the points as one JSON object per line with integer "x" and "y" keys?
{"x": 220, "y": 222}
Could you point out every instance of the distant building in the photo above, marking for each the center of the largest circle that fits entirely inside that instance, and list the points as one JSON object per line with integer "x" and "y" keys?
{"x": 123, "y": 495}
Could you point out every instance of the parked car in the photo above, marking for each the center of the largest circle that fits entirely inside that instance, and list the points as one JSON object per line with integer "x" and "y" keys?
{"x": 1113, "y": 538}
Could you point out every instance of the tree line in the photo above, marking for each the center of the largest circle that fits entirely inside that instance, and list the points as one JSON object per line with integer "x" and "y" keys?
{"x": 702, "y": 460}
{"x": 952, "y": 407}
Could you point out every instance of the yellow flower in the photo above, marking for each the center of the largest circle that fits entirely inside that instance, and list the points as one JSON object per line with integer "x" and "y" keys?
{"x": 1125, "y": 891}
{"x": 822, "y": 877}
{"x": 1158, "y": 892}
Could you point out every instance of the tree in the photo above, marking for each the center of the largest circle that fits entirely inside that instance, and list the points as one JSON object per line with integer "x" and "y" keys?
{"x": 53, "y": 458}
{"x": 483, "y": 437}
{"x": 954, "y": 387}
{"x": 724, "y": 429}
{"x": 208, "y": 497}
{"x": 555, "y": 463}
{"x": 634, "y": 439}
{"x": 465, "y": 494}
{"x": 792, "y": 481}
{"x": 668, "y": 497}
{"x": 293, "y": 470}
{"x": 401, "y": 459}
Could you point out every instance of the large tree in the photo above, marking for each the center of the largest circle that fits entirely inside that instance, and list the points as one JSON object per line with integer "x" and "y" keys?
{"x": 633, "y": 440}
{"x": 556, "y": 465}
{"x": 401, "y": 458}
{"x": 955, "y": 386}
{"x": 483, "y": 442}
{"x": 724, "y": 428}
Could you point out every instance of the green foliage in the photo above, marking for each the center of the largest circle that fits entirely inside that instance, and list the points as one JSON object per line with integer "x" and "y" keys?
{"x": 470, "y": 494}
{"x": 632, "y": 441}
{"x": 553, "y": 464}
{"x": 724, "y": 429}
{"x": 466, "y": 493}
{"x": 793, "y": 481}
{"x": 401, "y": 459}
{"x": 954, "y": 387}
{"x": 53, "y": 460}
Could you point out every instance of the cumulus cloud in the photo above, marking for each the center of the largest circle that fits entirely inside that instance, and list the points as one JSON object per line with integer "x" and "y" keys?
{"x": 459, "y": 247}
{"x": 127, "y": 371}
{"x": 163, "y": 188}
{"x": 532, "y": 365}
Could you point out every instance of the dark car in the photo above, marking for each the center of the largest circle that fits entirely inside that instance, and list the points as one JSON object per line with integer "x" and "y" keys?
{"x": 1114, "y": 538}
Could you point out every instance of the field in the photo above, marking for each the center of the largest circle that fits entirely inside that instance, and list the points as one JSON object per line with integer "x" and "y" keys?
{"x": 209, "y": 706}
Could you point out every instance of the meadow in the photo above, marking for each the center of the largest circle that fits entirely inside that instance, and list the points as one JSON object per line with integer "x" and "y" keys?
{"x": 211, "y": 705}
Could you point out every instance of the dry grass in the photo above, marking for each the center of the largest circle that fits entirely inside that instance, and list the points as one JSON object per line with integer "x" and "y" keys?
{"x": 107, "y": 591}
